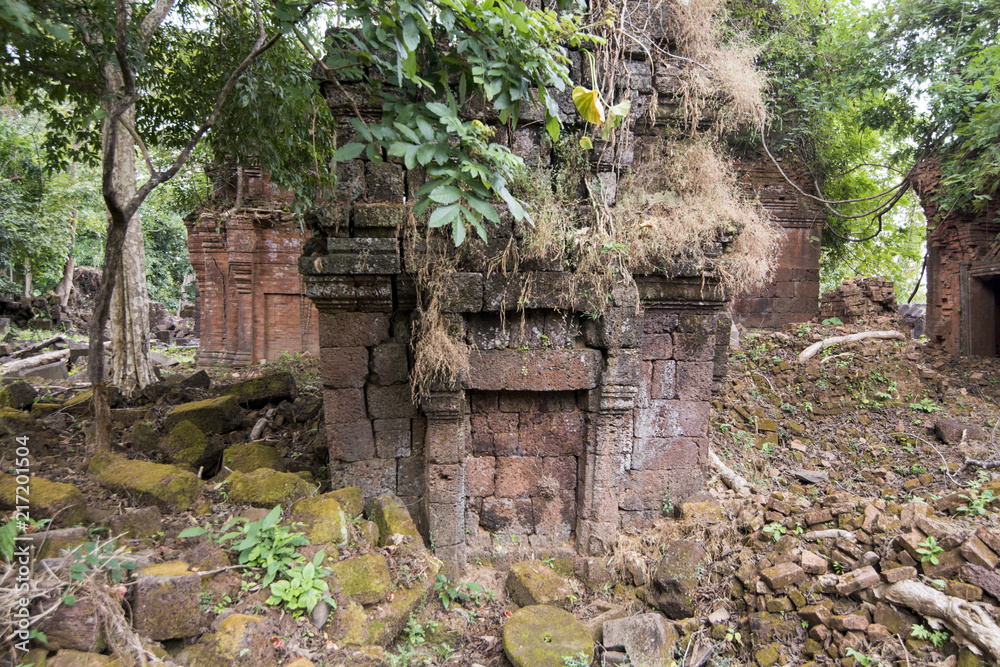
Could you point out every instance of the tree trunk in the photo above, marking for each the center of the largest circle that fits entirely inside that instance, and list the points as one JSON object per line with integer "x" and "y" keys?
{"x": 27, "y": 278}
{"x": 64, "y": 287}
{"x": 131, "y": 369}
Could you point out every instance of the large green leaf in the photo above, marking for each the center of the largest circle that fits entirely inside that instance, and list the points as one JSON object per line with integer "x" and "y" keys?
{"x": 348, "y": 152}
{"x": 589, "y": 105}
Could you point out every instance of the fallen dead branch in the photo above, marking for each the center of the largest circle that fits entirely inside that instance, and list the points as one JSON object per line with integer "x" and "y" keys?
{"x": 966, "y": 620}
{"x": 31, "y": 349}
{"x": 728, "y": 475}
{"x": 811, "y": 351}
{"x": 33, "y": 362}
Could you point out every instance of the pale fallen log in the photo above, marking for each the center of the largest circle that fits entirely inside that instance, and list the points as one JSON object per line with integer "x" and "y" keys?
{"x": 32, "y": 362}
{"x": 811, "y": 351}
{"x": 966, "y": 620}
{"x": 832, "y": 533}
{"x": 31, "y": 349}
{"x": 728, "y": 475}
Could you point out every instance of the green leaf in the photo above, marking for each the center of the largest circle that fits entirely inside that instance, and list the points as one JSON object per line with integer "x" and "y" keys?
{"x": 484, "y": 208}
{"x": 411, "y": 33}
{"x": 589, "y": 105}
{"x": 348, "y": 152}
{"x": 458, "y": 230}
{"x": 193, "y": 531}
{"x": 553, "y": 127}
{"x": 446, "y": 194}
{"x": 443, "y": 216}
{"x": 407, "y": 132}
{"x": 69, "y": 600}
{"x": 398, "y": 148}
{"x": 586, "y": 143}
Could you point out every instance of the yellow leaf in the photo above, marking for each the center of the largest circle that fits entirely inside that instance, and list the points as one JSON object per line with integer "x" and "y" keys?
{"x": 586, "y": 143}
{"x": 589, "y": 105}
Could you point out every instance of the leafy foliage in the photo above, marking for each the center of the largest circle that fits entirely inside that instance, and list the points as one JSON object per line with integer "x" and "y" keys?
{"x": 304, "y": 588}
{"x": 95, "y": 556}
{"x": 264, "y": 543}
{"x": 504, "y": 56}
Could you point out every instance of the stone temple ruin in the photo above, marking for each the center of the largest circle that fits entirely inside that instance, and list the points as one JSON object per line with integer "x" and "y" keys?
{"x": 565, "y": 427}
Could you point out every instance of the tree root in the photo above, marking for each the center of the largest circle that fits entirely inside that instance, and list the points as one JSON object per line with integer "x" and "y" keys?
{"x": 728, "y": 475}
{"x": 811, "y": 351}
{"x": 967, "y": 621}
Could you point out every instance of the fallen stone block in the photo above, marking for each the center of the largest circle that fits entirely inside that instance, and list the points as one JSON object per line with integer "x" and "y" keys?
{"x": 166, "y": 602}
{"x": 168, "y": 487}
{"x": 542, "y": 636}
{"x": 648, "y": 639}
{"x": 531, "y": 582}
{"x": 266, "y": 488}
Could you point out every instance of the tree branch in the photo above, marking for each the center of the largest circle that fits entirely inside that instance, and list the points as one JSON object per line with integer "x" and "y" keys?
{"x": 56, "y": 76}
{"x": 142, "y": 145}
{"x": 152, "y": 21}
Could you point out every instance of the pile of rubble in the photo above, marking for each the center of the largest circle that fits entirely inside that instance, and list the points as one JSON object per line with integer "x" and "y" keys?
{"x": 858, "y": 299}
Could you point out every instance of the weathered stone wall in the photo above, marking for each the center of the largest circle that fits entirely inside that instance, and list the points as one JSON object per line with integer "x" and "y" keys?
{"x": 251, "y": 298}
{"x": 962, "y": 272}
{"x": 793, "y": 294}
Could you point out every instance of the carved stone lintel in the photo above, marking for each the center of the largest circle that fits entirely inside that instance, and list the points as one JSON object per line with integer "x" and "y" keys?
{"x": 618, "y": 398}
{"x": 361, "y": 294}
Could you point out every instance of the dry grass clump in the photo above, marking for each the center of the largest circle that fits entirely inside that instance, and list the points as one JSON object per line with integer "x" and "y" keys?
{"x": 724, "y": 75}
{"x": 683, "y": 199}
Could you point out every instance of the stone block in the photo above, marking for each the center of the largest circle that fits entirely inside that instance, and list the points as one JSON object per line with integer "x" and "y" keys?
{"x": 344, "y": 406}
{"x": 554, "y": 515}
{"x": 447, "y": 523}
{"x": 694, "y": 346}
{"x": 783, "y": 575}
{"x": 73, "y": 628}
{"x": 664, "y": 380}
{"x": 860, "y": 579}
{"x": 371, "y": 217}
{"x": 694, "y": 417}
{"x": 660, "y": 420}
{"x": 344, "y": 367}
{"x": 446, "y": 441}
{"x": 389, "y": 364}
{"x": 674, "y": 583}
{"x": 544, "y": 289}
{"x": 667, "y": 453}
{"x": 657, "y": 346}
{"x": 384, "y": 182}
{"x": 523, "y": 476}
{"x": 392, "y": 438}
{"x": 350, "y": 180}
{"x": 534, "y": 370}
{"x": 509, "y": 516}
{"x": 166, "y": 602}
{"x": 350, "y": 442}
{"x": 694, "y": 380}
{"x": 537, "y": 401}
{"x": 462, "y": 293}
{"x": 349, "y": 329}
{"x": 551, "y": 434}
{"x": 979, "y": 554}
{"x": 393, "y": 402}
{"x": 532, "y": 582}
{"x": 480, "y": 473}
{"x": 445, "y": 483}
{"x": 410, "y": 477}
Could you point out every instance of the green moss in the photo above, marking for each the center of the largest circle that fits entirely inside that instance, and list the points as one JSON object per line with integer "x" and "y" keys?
{"x": 365, "y": 578}
{"x": 266, "y": 488}
{"x": 40, "y": 410}
{"x": 531, "y": 582}
{"x": 388, "y": 621}
{"x": 542, "y": 636}
{"x": 186, "y": 444}
{"x": 351, "y": 499}
{"x": 79, "y": 404}
{"x": 142, "y": 437}
{"x": 767, "y": 656}
{"x": 212, "y": 415}
{"x": 175, "y": 568}
{"x": 392, "y": 518}
{"x": 46, "y": 500}
{"x": 16, "y": 419}
{"x": 351, "y": 625}
{"x": 168, "y": 487}
{"x": 252, "y": 456}
{"x": 70, "y": 658}
{"x": 258, "y": 392}
{"x": 324, "y": 518}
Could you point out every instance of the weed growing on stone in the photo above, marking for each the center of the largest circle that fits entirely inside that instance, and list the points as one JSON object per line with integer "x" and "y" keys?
{"x": 936, "y": 637}
{"x": 304, "y": 588}
{"x": 929, "y": 550}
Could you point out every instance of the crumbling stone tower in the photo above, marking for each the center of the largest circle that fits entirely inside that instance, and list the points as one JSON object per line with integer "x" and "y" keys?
{"x": 566, "y": 426}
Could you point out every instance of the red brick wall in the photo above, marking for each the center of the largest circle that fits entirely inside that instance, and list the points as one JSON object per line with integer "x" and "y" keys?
{"x": 960, "y": 237}
{"x": 251, "y": 297}
{"x": 793, "y": 294}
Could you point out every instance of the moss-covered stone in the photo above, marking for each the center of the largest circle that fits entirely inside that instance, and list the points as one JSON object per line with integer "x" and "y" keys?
{"x": 351, "y": 499}
{"x": 387, "y": 620}
{"x": 186, "y": 445}
{"x": 141, "y": 437}
{"x": 63, "y": 503}
{"x": 79, "y": 404}
{"x": 18, "y": 395}
{"x": 52, "y": 543}
{"x": 365, "y": 578}
{"x": 166, "y": 602}
{"x": 325, "y": 520}
{"x": 266, "y": 488}
{"x": 391, "y": 517}
{"x": 168, "y": 487}
{"x": 350, "y": 624}
{"x": 966, "y": 658}
{"x": 36, "y": 657}
{"x": 252, "y": 456}
{"x": 241, "y": 641}
{"x": 258, "y": 392}
{"x": 41, "y": 410}
{"x": 68, "y": 658}
{"x": 531, "y": 582}
{"x": 767, "y": 656}
{"x": 543, "y": 636}
{"x": 137, "y": 523}
{"x": 128, "y": 416}
{"x": 212, "y": 415}
{"x": 16, "y": 421}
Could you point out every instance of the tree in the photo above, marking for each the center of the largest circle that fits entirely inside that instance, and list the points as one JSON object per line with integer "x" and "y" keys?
{"x": 97, "y": 57}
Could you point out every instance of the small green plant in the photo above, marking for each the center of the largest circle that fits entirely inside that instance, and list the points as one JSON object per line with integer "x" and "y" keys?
{"x": 775, "y": 530}
{"x": 304, "y": 588}
{"x": 459, "y": 592}
{"x": 578, "y": 660}
{"x": 925, "y": 405}
{"x": 734, "y": 637}
{"x": 94, "y": 556}
{"x": 936, "y": 637}
{"x": 929, "y": 550}
{"x": 668, "y": 505}
{"x": 838, "y": 567}
{"x": 263, "y": 543}
{"x": 832, "y": 320}
{"x": 976, "y": 503}
{"x": 864, "y": 660}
